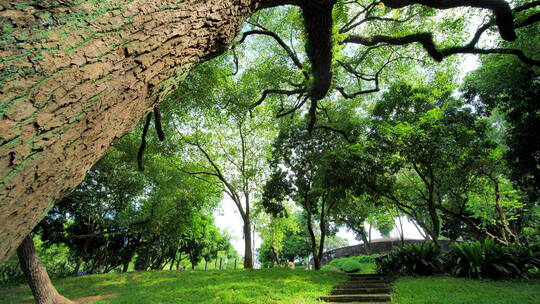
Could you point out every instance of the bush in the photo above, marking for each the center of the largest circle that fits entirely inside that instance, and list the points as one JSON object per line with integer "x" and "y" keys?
{"x": 11, "y": 271}
{"x": 490, "y": 260}
{"x": 367, "y": 258}
{"x": 350, "y": 264}
{"x": 422, "y": 259}
{"x": 55, "y": 258}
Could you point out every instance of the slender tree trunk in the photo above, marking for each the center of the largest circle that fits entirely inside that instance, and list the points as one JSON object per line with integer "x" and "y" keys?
{"x": 370, "y": 226}
{"x": 81, "y": 257}
{"x": 367, "y": 244}
{"x": 510, "y": 236}
{"x": 435, "y": 230}
{"x": 78, "y": 265}
{"x": 322, "y": 227}
{"x": 127, "y": 260}
{"x": 401, "y": 234}
{"x": 36, "y": 275}
{"x": 248, "y": 253}
{"x": 422, "y": 232}
{"x": 178, "y": 262}
{"x": 173, "y": 260}
{"x": 125, "y": 267}
{"x": 276, "y": 259}
{"x": 316, "y": 261}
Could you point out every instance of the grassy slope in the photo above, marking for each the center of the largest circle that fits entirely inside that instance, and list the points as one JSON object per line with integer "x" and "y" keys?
{"x": 447, "y": 290}
{"x": 227, "y": 286}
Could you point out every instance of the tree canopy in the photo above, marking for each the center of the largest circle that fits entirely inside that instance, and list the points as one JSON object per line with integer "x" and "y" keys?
{"x": 311, "y": 116}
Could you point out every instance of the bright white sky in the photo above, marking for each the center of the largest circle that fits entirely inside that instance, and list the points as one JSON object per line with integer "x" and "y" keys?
{"x": 227, "y": 218}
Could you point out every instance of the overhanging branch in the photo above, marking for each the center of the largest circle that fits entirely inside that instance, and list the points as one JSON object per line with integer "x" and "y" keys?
{"x": 140, "y": 153}
{"x": 281, "y": 43}
{"x": 277, "y": 91}
{"x": 501, "y": 10}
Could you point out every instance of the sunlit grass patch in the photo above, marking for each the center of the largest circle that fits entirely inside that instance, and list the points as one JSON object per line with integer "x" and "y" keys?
{"x": 450, "y": 290}
{"x": 226, "y": 286}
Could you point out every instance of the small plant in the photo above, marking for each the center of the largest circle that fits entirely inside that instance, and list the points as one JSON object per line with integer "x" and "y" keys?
{"x": 422, "y": 259}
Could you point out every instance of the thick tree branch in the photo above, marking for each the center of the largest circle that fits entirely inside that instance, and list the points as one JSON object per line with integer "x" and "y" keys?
{"x": 501, "y": 9}
{"x": 157, "y": 122}
{"x": 426, "y": 40}
{"x": 526, "y": 6}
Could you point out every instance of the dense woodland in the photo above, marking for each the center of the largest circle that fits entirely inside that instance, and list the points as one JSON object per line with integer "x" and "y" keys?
{"x": 318, "y": 116}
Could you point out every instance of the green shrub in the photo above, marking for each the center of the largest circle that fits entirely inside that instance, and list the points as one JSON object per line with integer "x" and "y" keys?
{"x": 422, "y": 259}
{"x": 327, "y": 267}
{"x": 11, "y": 271}
{"x": 350, "y": 264}
{"x": 367, "y": 258}
{"x": 490, "y": 260}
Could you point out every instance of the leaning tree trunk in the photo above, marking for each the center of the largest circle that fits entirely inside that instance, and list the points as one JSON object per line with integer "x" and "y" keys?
{"x": 74, "y": 79}
{"x": 36, "y": 275}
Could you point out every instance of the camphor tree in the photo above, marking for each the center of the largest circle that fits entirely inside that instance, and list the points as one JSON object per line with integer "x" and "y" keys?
{"x": 273, "y": 230}
{"x": 431, "y": 157}
{"x": 77, "y": 75}
{"x": 223, "y": 143}
{"x": 296, "y": 175}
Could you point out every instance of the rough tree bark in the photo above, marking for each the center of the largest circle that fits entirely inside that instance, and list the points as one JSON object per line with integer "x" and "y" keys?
{"x": 36, "y": 275}
{"x": 74, "y": 79}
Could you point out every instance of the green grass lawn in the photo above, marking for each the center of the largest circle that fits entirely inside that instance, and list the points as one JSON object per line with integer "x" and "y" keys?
{"x": 448, "y": 290}
{"x": 270, "y": 286}
{"x": 226, "y": 286}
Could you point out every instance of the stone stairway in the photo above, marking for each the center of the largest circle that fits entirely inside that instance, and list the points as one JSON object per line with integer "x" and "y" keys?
{"x": 362, "y": 288}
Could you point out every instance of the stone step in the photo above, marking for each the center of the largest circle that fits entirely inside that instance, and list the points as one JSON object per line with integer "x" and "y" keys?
{"x": 363, "y": 298}
{"x": 361, "y": 290}
{"x": 379, "y": 278}
{"x": 370, "y": 281}
{"x": 367, "y": 275}
{"x": 378, "y": 302}
{"x": 369, "y": 278}
{"x": 352, "y": 284}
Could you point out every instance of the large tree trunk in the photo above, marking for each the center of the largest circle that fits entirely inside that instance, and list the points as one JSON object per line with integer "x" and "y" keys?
{"x": 36, "y": 275}
{"x": 76, "y": 78}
